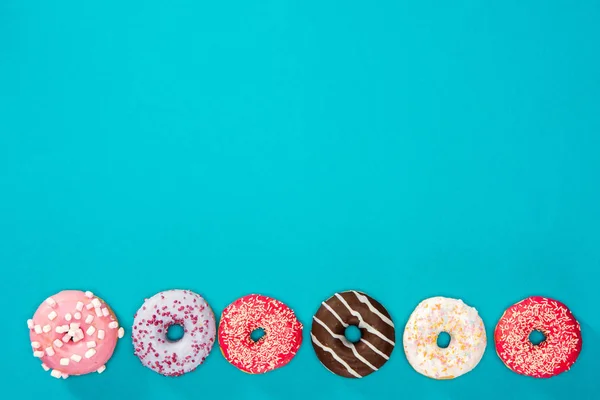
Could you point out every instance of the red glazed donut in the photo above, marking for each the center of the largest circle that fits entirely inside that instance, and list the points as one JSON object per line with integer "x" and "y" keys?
{"x": 281, "y": 340}
{"x": 555, "y": 354}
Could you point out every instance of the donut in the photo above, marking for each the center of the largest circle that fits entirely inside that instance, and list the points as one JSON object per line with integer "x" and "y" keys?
{"x": 467, "y": 338}
{"x": 556, "y": 354}
{"x": 281, "y": 340}
{"x": 152, "y": 321}
{"x": 335, "y": 351}
{"x": 73, "y": 333}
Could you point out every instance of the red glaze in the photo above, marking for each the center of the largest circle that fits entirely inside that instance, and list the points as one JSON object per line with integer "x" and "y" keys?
{"x": 554, "y": 355}
{"x": 279, "y": 344}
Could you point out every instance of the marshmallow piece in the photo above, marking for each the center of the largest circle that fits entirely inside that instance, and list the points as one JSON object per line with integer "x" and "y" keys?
{"x": 105, "y": 312}
{"x": 121, "y": 332}
{"x": 100, "y": 334}
{"x": 66, "y": 337}
{"x": 63, "y": 375}
{"x": 74, "y": 325}
{"x": 51, "y": 302}
{"x": 64, "y": 361}
{"x": 89, "y": 294}
{"x": 57, "y": 343}
{"x": 75, "y": 357}
{"x": 96, "y": 303}
{"x": 46, "y": 368}
{"x": 90, "y": 331}
{"x": 38, "y": 329}
{"x": 98, "y": 312}
{"x": 89, "y": 319}
{"x": 91, "y": 344}
{"x": 90, "y": 353}
{"x": 113, "y": 325}
{"x": 89, "y": 306}
{"x": 101, "y": 369}
{"x": 30, "y": 323}
{"x": 68, "y": 316}
{"x": 46, "y": 328}
{"x": 52, "y": 315}
{"x": 38, "y": 354}
{"x": 50, "y": 351}
{"x": 56, "y": 374}
{"x": 77, "y": 315}
{"x": 36, "y": 345}
{"x": 79, "y": 306}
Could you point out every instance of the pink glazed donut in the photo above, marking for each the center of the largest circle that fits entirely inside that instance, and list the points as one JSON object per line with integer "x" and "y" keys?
{"x": 73, "y": 333}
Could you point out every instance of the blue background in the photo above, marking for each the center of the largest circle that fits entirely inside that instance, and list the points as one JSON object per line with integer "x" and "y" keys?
{"x": 295, "y": 149}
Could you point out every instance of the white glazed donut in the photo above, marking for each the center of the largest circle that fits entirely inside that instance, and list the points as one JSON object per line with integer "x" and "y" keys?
{"x": 467, "y": 338}
{"x": 153, "y": 319}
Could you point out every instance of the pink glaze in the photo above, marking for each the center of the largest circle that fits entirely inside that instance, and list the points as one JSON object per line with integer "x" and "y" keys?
{"x": 92, "y": 358}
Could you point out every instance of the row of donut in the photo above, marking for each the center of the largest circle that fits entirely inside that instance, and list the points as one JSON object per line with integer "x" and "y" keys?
{"x": 75, "y": 333}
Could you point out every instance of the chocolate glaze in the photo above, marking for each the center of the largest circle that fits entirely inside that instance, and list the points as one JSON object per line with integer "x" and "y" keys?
{"x": 338, "y": 354}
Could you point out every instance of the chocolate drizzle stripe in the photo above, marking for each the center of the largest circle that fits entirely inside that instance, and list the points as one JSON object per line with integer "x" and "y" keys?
{"x": 337, "y": 358}
{"x": 362, "y": 323}
{"x": 365, "y": 300}
{"x": 345, "y": 325}
{"x": 375, "y": 349}
{"x": 346, "y": 343}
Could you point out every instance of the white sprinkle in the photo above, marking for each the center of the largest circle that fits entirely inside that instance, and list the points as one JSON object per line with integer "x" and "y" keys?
{"x": 59, "y": 329}
{"x": 38, "y": 354}
{"x": 90, "y": 331}
{"x": 52, "y": 315}
{"x": 89, "y": 319}
{"x": 68, "y": 316}
{"x": 91, "y": 343}
{"x": 38, "y": 329}
{"x": 57, "y": 343}
{"x": 98, "y": 312}
{"x": 77, "y": 315}
{"x": 100, "y": 334}
{"x": 78, "y": 336}
{"x": 36, "y": 345}
{"x": 90, "y": 353}
{"x": 50, "y": 301}
{"x": 101, "y": 369}
{"x": 89, "y": 306}
{"x": 79, "y": 306}
{"x": 75, "y": 357}
{"x": 66, "y": 337}
{"x": 105, "y": 312}
{"x": 64, "y": 361}
{"x": 55, "y": 373}
{"x": 113, "y": 325}
{"x": 45, "y": 367}
{"x": 89, "y": 294}
{"x": 74, "y": 325}
{"x": 121, "y": 332}
{"x": 96, "y": 303}
{"x": 30, "y": 323}
{"x": 50, "y": 351}
{"x": 64, "y": 376}
{"x": 46, "y": 328}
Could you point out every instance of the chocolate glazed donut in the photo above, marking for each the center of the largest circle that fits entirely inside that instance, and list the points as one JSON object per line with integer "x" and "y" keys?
{"x": 338, "y": 354}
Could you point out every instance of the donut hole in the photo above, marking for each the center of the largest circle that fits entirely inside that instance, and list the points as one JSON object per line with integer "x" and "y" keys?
{"x": 536, "y": 337}
{"x": 443, "y": 340}
{"x": 257, "y": 334}
{"x": 175, "y": 332}
{"x": 353, "y": 333}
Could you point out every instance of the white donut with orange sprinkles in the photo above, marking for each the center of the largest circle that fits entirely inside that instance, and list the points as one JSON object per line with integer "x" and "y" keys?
{"x": 282, "y": 334}
{"x": 467, "y": 338}
{"x": 152, "y": 321}
{"x": 556, "y": 354}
